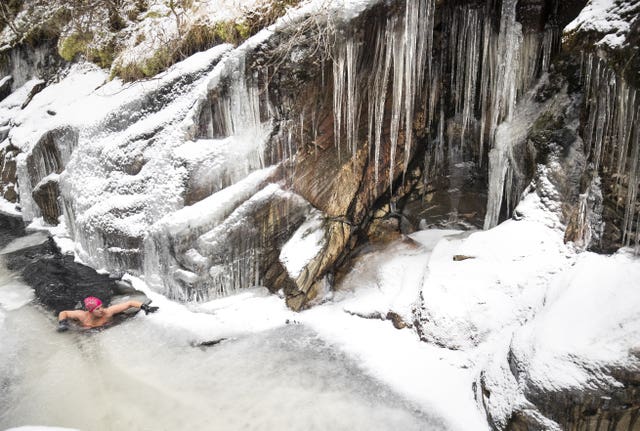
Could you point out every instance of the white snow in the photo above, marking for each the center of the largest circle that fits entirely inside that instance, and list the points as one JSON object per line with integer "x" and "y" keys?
{"x": 591, "y": 317}
{"x": 208, "y": 212}
{"x": 521, "y": 288}
{"x": 252, "y": 310}
{"x": 8, "y": 208}
{"x": 304, "y": 245}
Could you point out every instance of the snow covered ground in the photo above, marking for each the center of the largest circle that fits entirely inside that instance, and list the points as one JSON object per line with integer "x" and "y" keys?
{"x": 520, "y": 286}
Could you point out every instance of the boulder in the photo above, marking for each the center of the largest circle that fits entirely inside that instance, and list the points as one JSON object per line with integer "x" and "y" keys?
{"x": 45, "y": 195}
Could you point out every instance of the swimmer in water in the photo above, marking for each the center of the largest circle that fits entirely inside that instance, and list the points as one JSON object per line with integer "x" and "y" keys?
{"x": 95, "y": 315}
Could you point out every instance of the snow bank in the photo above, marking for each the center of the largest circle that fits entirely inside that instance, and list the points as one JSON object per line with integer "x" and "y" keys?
{"x": 250, "y": 311}
{"x": 591, "y": 319}
{"x": 476, "y": 286}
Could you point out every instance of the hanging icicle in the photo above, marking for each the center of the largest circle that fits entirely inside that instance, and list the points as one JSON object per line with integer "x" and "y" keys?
{"x": 402, "y": 57}
{"x": 612, "y": 137}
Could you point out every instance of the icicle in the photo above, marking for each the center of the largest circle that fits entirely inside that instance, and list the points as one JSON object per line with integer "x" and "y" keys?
{"x": 396, "y": 105}
{"x": 488, "y": 66}
{"x": 302, "y": 129}
{"x": 353, "y": 105}
{"x": 418, "y": 35}
{"x": 509, "y": 43}
{"x": 404, "y": 46}
{"x": 612, "y": 137}
{"x": 632, "y": 193}
{"x": 549, "y": 43}
{"x": 380, "y": 97}
{"x": 338, "y": 94}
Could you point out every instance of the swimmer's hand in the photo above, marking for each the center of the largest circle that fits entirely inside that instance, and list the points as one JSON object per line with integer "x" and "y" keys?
{"x": 147, "y": 309}
{"x": 63, "y": 325}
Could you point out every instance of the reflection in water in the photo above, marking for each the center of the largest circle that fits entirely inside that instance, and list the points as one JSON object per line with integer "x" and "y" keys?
{"x": 143, "y": 376}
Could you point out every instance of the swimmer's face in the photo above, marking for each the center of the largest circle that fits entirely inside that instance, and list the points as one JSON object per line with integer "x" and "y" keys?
{"x": 98, "y": 311}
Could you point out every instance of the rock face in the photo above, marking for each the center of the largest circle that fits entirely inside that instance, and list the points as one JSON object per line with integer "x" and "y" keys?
{"x": 45, "y": 162}
{"x": 611, "y": 406}
{"x": 45, "y": 195}
{"x": 380, "y": 136}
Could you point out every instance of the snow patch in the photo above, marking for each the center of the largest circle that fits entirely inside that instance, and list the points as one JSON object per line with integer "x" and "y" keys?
{"x": 305, "y": 244}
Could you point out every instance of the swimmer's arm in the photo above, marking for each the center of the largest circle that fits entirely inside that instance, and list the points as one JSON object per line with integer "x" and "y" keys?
{"x": 123, "y": 306}
{"x": 70, "y": 314}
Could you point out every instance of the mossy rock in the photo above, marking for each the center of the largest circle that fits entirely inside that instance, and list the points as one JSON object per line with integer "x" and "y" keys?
{"x": 69, "y": 47}
{"x": 104, "y": 56}
{"x": 147, "y": 68}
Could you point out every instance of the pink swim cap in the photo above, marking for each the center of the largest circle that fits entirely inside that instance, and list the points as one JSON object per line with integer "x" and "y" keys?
{"x": 91, "y": 303}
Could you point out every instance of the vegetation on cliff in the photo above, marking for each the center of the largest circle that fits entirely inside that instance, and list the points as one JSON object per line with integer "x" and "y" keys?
{"x": 134, "y": 39}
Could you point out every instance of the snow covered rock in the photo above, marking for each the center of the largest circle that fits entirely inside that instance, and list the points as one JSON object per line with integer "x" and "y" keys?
{"x": 612, "y": 30}
{"x": 576, "y": 361}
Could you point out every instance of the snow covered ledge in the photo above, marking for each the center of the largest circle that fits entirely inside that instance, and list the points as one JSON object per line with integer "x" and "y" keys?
{"x": 552, "y": 333}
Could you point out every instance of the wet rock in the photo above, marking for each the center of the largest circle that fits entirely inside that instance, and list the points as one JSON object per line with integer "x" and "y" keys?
{"x": 59, "y": 282}
{"x": 383, "y": 228}
{"x": 5, "y": 88}
{"x": 45, "y": 195}
{"x": 460, "y": 257}
{"x": 34, "y": 90}
{"x": 11, "y": 227}
{"x": 10, "y": 193}
{"x": 204, "y": 344}
{"x": 608, "y": 408}
{"x": 51, "y": 153}
{"x": 8, "y": 173}
{"x": 397, "y": 320}
{"x": 532, "y": 14}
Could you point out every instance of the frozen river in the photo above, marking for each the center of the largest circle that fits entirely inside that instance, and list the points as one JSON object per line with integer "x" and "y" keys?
{"x": 142, "y": 376}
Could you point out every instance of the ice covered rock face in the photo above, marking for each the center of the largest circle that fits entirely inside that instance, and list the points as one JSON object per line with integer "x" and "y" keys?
{"x": 444, "y": 130}
{"x": 359, "y": 119}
